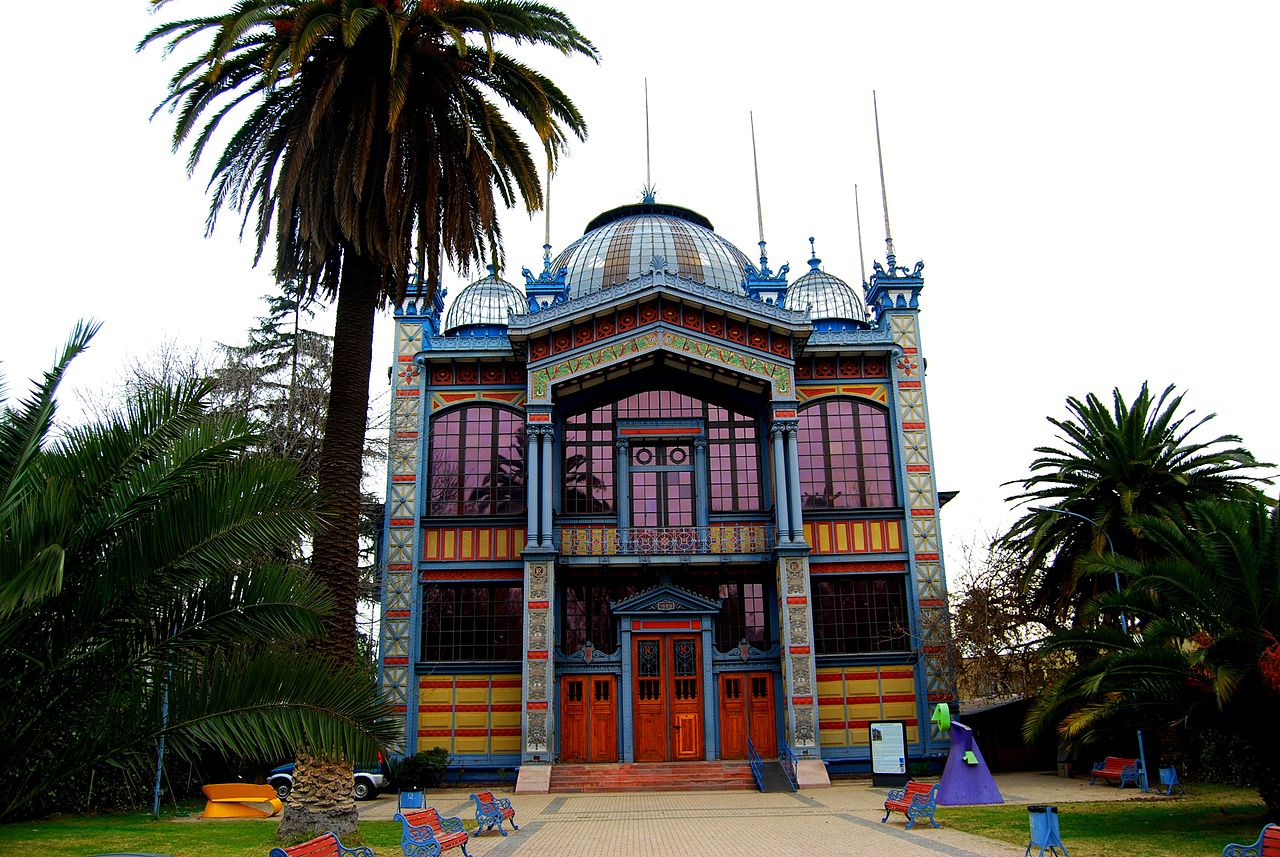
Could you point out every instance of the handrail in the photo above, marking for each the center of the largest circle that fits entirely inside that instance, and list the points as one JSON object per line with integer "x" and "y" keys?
{"x": 756, "y": 763}
{"x": 787, "y": 758}
{"x": 718, "y": 539}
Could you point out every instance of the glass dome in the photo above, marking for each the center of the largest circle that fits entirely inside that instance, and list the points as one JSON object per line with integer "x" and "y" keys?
{"x": 621, "y": 245}
{"x": 827, "y": 297}
{"x": 486, "y": 303}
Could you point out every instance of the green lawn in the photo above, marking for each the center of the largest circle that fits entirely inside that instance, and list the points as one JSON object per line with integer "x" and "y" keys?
{"x": 71, "y": 836}
{"x": 1198, "y": 825}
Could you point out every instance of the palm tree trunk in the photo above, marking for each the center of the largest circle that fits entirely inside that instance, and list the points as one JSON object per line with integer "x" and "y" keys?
{"x": 323, "y": 787}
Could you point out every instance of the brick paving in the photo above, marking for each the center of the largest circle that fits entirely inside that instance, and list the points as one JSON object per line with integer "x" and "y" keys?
{"x": 841, "y": 820}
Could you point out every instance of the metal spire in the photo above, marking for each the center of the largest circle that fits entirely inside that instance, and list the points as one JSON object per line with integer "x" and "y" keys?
{"x": 862, "y": 265}
{"x": 546, "y": 239}
{"x": 648, "y": 178}
{"x": 755, "y": 167}
{"x": 884, "y": 196}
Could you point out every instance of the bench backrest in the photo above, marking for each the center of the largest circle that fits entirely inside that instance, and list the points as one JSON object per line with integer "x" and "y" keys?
{"x": 238, "y": 791}
{"x": 1270, "y": 841}
{"x": 1116, "y": 762}
{"x": 485, "y": 797}
{"x": 325, "y": 845}
{"x": 425, "y": 818}
{"x": 917, "y": 788}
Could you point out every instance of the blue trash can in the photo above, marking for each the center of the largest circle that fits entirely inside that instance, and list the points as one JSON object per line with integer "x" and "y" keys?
{"x": 1044, "y": 830}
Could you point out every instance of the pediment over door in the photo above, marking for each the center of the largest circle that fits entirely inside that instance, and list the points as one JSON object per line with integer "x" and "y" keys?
{"x": 666, "y": 599}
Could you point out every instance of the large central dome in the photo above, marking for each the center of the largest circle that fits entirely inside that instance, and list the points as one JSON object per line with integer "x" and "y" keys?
{"x": 621, "y": 244}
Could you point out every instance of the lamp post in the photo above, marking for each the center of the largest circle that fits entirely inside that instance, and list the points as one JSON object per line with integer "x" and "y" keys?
{"x": 1124, "y": 622}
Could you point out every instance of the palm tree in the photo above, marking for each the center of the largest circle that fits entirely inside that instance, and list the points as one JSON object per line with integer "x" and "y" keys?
{"x": 378, "y": 138}
{"x": 138, "y": 568}
{"x": 1208, "y": 605}
{"x": 1111, "y": 464}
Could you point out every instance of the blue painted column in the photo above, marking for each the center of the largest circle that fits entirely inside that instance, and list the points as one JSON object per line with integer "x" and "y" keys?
{"x": 702, "y": 495}
{"x": 533, "y": 472}
{"x": 546, "y": 483}
{"x": 622, "y": 491}
{"x": 710, "y": 693}
{"x": 781, "y": 505}
{"x": 791, "y": 429}
{"x": 628, "y": 731}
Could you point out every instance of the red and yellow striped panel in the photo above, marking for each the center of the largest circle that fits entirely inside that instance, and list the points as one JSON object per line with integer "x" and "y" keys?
{"x": 472, "y": 543}
{"x": 852, "y": 537}
{"x": 849, "y": 698}
{"x": 466, "y": 713}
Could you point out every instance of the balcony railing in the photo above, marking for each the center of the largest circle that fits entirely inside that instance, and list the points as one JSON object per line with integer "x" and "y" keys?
{"x": 589, "y": 540}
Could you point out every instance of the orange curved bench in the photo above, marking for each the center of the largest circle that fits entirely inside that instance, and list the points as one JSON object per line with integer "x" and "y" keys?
{"x": 238, "y": 800}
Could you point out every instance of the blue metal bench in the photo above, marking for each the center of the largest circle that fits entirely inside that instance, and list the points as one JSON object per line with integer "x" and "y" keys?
{"x": 426, "y": 833}
{"x": 492, "y": 811}
{"x": 915, "y": 800}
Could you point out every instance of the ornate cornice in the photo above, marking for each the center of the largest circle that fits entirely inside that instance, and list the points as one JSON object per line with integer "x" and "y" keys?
{"x": 522, "y": 325}
{"x": 462, "y": 346}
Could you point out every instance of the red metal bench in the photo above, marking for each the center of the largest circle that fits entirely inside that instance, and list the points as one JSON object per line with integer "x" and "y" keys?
{"x": 427, "y": 833}
{"x": 1116, "y": 768}
{"x": 491, "y": 810}
{"x": 324, "y": 845}
{"x": 915, "y": 800}
{"x": 1268, "y": 845}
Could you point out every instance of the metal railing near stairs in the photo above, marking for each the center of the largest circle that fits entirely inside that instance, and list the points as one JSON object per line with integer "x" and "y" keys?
{"x": 756, "y": 763}
{"x": 787, "y": 758}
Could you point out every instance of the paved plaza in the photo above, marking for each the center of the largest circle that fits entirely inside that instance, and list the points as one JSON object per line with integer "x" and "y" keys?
{"x": 841, "y": 820}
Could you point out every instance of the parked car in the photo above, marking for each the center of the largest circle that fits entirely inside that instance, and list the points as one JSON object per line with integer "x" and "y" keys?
{"x": 368, "y": 781}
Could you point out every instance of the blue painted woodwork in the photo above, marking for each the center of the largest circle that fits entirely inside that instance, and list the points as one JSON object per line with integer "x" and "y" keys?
{"x": 1116, "y": 768}
{"x": 324, "y": 845}
{"x": 427, "y": 833}
{"x": 492, "y": 811}
{"x": 1268, "y": 845}
{"x": 915, "y": 800}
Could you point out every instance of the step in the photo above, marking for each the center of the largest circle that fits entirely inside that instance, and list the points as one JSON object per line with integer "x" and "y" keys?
{"x": 652, "y": 776}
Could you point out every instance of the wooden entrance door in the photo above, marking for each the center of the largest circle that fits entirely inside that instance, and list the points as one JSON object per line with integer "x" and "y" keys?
{"x": 588, "y": 718}
{"x": 667, "y": 698}
{"x": 746, "y": 708}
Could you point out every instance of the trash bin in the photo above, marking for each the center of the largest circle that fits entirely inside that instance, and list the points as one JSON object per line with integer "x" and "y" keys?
{"x": 1170, "y": 782}
{"x": 1044, "y": 829}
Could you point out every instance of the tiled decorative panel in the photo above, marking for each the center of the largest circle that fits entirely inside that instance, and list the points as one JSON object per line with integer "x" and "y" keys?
{"x": 472, "y": 543}
{"x": 843, "y": 537}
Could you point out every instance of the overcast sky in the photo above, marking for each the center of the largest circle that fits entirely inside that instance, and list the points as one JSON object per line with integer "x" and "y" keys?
{"x": 1093, "y": 188}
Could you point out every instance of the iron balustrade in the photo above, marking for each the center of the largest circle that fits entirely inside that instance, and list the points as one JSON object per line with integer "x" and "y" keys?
{"x": 756, "y": 763}
{"x": 589, "y": 540}
{"x": 787, "y": 758}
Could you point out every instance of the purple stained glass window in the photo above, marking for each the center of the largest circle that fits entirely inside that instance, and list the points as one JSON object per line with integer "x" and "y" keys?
{"x": 742, "y": 616}
{"x": 845, "y": 462}
{"x": 476, "y": 464}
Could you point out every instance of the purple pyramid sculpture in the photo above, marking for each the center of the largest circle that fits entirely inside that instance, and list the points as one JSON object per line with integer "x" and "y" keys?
{"x": 962, "y": 783}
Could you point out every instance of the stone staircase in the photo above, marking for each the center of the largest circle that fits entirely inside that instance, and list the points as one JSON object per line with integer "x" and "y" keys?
{"x": 652, "y": 776}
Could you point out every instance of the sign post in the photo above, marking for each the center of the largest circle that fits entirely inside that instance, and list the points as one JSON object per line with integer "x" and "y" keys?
{"x": 888, "y": 753}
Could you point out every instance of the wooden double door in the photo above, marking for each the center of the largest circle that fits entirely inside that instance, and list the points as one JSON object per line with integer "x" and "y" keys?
{"x": 746, "y": 708}
{"x": 588, "y": 718}
{"x": 666, "y": 675}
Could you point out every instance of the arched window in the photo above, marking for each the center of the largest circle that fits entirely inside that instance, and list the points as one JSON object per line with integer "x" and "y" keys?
{"x": 845, "y": 461}
{"x": 476, "y": 462}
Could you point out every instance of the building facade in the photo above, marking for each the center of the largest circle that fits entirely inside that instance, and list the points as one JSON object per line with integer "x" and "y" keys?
{"x": 660, "y": 504}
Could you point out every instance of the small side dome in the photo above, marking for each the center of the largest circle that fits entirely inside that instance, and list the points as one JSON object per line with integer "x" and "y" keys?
{"x": 482, "y": 307}
{"x": 832, "y": 303}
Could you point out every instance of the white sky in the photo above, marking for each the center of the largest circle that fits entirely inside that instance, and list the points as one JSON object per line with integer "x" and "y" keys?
{"x": 1093, "y": 188}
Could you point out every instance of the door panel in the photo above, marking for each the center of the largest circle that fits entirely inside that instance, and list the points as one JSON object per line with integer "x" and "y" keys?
{"x": 733, "y": 717}
{"x": 573, "y": 718}
{"x": 604, "y": 719}
{"x": 686, "y": 698}
{"x": 649, "y": 700}
{"x": 763, "y": 719}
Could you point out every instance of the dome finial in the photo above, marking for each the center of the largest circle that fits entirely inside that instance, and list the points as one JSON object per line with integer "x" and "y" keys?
{"x": 814, "y": 261}
{"x": 884, "y": 194}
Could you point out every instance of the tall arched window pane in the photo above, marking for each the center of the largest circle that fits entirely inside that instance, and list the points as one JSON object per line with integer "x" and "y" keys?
{"x": 476, "y": 462}
{"x": 844, "y": 456}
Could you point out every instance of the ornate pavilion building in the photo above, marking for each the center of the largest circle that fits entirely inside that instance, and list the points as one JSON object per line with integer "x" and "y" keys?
{"x": 659, "y": 505}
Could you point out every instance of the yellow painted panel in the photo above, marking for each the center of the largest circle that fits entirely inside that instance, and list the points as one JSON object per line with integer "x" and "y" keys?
{"x": 500, "y": 544}
{"x": 506, "y": 743}
{"x": 472, "y": 719}
{"x": 842, "y": 538}
{"x": 859, "y": 537}
{"x": 833, "y": 738}
{"x": 876, "y": 532}
{"x": 433, "y": 544}
{"x": 505, "y": 719}
{"x": 861, "y": 687}
{"x": 864, "y": 711}
{"x": 471, "y": 745}
{"x": 437, "y": 695}
{"x": 484, "y": 547}
{"x": 472, "y": 695}
{"x": 808, "y": 533}
{"x": 913, "y": 734}
{"x": 824, "y": 537}
{"x": 506, "y": 694}
{"x": 435, "y": 719}
{"x": 899, "y": 685}
{"x": 860, "y": 737}
{"x": 893, "y": 531}
{"x": 450, "y": 548}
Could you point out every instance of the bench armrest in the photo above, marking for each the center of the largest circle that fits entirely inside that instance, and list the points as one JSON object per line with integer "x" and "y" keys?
{"x": 922, "y": 799}
{"x": 357, "y": 851}
{"x": 451, "y": 824}
{"x": 415, "y": 832}
{"x": 897, "y": 794}
{"x": 502, "y": 803}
